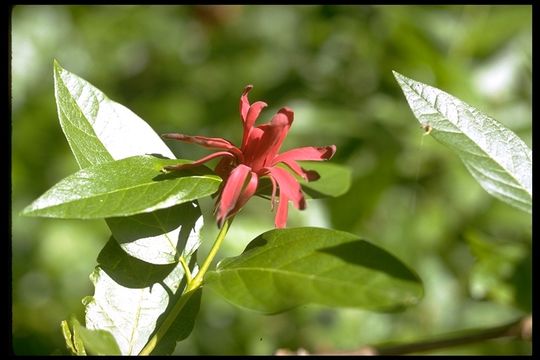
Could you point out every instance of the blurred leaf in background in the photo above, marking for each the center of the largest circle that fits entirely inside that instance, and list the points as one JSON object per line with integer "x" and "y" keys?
{"x": 182, "y": 68}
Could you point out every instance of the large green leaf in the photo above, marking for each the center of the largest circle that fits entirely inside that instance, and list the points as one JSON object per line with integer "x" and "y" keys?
{"x": 98, "y": 129}
{"x": 89, "y": 117}
{"x": 285, "y": 268}
{"x": 132, "y": 298}
{"x": 499, "y": 160}
{"x": 125, "y": 187}
{"x": 101, "y": 125}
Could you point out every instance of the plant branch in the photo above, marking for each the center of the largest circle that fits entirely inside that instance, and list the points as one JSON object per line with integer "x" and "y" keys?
{"x": 519, "y": 329}
{"x": 190, "y": 289}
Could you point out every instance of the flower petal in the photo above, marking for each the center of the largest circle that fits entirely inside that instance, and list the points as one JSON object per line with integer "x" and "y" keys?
{"x": 289, "y": 187}
{"x": 207, "y": 142}
{"x": 264, "y": 141}
{"x": 231, "y": 192}
{"x": 280, "y": 221}
{"x": 252, "y": 115}
{"x": 307, "y": 153}
{"x": 200, "y": 161}
{"x": 248, "y": 191}
{"x": 244, "y": 102}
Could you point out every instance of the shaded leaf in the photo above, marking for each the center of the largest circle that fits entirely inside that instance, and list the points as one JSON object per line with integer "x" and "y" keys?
{"x": 132, "y": 298}
{"x": 334, "y": 181}
{"x": 499, "y": 160}
{"x": 124, "y": 187}
{"x": 285, "y": 268}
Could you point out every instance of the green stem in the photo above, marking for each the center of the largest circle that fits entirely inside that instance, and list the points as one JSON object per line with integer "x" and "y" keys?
{"x": 186, "y": 269}
{"x": 192, "y": 286}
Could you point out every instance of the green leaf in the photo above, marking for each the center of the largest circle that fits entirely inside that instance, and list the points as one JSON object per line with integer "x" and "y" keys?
{"x": 96, "y": 342}
{"x": 285, "y": 268}
{"x": 133, "y": 297}
{"x": 98, "y": 129}
{"x": 122, "y": 134}
{"x": 334, "y": 181}
{"x": 499, "y": 160}
{"x": 121, "y": 188}
{"x": 73, "y": 340}
{"x": 160, "y": 236}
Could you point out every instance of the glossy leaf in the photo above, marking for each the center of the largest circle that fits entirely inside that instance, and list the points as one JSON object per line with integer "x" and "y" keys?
{"x": 499, "y": 160}
{"x": 172, "y": 232}
{"x": 98, "y": 129}
{"x": 133, "y": 297}
{"x": 105, "y": 124}
{"x": 285, "y": 268}
{"x": 125, "y": 187}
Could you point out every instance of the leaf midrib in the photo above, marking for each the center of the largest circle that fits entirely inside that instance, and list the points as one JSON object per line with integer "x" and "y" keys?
{"x": 487, "y": 154}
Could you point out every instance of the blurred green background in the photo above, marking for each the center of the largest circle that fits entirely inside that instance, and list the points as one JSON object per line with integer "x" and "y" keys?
{"x": 183, "y": 68}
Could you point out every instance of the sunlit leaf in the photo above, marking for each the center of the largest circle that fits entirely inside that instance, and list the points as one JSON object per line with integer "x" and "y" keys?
{"x": 132, "y": 298}
{"x": 104, "y": 125}
{"x": 73, "y": 340}
{"x": 156, "y": 237}
{"x": 98, "y": 129}
{"x": 499, "y": 160}
{"x": 285, "y": 268}
{"x": 159, "y": 237}
{"x": 120, "y": 188}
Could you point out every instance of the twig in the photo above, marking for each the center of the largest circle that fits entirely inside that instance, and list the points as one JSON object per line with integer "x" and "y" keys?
{"x": 518, "y": 329}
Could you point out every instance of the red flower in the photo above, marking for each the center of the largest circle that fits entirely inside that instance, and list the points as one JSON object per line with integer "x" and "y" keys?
{"x": 241, "y": 168}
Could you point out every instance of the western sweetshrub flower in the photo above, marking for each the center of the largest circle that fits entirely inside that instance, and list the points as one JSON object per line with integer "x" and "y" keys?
{"x": 257, "y": 157}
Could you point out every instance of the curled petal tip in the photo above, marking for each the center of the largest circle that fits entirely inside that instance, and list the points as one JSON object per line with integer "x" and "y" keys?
{"x": 286, "y": 111}
{"x": 331, "y": 150}
{"x": 247, "y": 89}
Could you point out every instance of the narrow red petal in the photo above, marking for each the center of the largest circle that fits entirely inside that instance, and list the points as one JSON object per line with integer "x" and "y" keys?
{"x": 212, "y": 143}
{"x": 207, "y": 142}
{"x": 307, "y": 153}
{"x": 265, "y": 140}
{"x": 244, "y": 102}
{"x": 231, "y": 191}
{"x": 199, "y": 162}
{"x": 248, "y": 191}
{"x": 282, "y": 211}
{"x": 252, "y": 115}
{"x": 288, "y": 186}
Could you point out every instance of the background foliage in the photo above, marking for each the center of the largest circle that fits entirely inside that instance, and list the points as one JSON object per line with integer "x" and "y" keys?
{"x": 182, "y": 69}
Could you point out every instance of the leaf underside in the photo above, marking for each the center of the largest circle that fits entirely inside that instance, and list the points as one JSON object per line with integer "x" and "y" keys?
{"x": 496, "y": 157}
{"x": 133, "y": 285}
